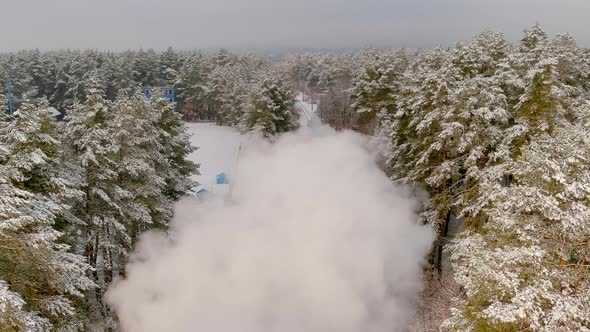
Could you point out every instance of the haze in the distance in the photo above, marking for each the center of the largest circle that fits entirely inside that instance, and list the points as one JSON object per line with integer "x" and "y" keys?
{"x": 188, "y": 24}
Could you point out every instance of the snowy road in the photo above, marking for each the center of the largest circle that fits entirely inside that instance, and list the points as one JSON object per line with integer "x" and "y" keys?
{"x": 309, "y": 118}
{"x": 305, "y": 108}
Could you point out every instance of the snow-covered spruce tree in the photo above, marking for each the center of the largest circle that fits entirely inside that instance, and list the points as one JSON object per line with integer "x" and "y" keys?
{"x": 103, "y": 236}
{"x": 36, "y": 263}
{"x": 174, "y": 143}
{"x": 269, "y": 109}
{"x": 131, "y": 154}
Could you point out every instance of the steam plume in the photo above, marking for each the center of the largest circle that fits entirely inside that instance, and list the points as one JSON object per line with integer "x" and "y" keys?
{"x": 315, "y": 238}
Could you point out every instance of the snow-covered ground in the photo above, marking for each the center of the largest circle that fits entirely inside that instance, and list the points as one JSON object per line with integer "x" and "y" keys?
{"x": 219, "y": 146}
{"x": 218, "y": 150}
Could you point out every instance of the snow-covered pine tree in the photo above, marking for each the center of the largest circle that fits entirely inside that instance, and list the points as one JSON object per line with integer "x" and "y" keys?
{"x": 117, "y": 73}
{"x": 229, "y": 89}
{"x": 377, "y": 87}
{"x": 223, "y": 58}
{"x": 483, "y": 106}
{"x": 146, "y": 68}
{"x": 15, "y": 70}
{"x": 136, "y": 156}
{"x": 15, "y": 252}
{"x": 71, "y": 77}
{"x": 169, "y": 65}
{"x": 333, "y": 74}
{"x": 103, "y": 236}
{"x": 298, "y": 68}
{"x": 524, "y": 266}
{"x": 13, "y": 315}
{"x": 446, "y": 116}
{"x": 174, "y": 142}
{"x": 192, "y": 83}
{"x": 432, "y": 128}
{"x": 269, "y": 108}
{"x": 37, "y": 263}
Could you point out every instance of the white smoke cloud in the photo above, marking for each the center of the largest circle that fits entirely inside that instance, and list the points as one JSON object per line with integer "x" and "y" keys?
{"x": 315, "y": 238}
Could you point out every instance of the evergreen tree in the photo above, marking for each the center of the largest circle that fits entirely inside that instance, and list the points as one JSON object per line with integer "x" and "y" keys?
{"x": 13, "y": 316}
{"x": 192, "y": 84}
{"x": 521, "y": 264}
{"x": 145, "y": 68}
{"x": 229, "y": 89}
{"x": 36, "y": 262}
{"x": 174, "y": 143}
{"x": 136, "y": 156}
{"x": 169, "y": 63}
{"x": 104, "y": 237}
{"x": 524, "y": 268}
{"x": 270, "y": 109}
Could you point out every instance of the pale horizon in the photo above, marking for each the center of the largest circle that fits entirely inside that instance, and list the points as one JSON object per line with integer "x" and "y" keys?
{"x": 265, "y": 24}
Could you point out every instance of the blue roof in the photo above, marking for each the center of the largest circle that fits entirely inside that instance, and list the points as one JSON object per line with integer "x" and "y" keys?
{"x": 201, "y": 192}
{"x": 169, "y": 92}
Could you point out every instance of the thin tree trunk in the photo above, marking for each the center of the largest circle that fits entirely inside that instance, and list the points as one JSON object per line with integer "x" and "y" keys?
{"x": 441, "y": 239}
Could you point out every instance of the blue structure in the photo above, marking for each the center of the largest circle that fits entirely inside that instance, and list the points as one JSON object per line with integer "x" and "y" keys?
{"x": 9, "y": 88}
{"x": 169, "y": 92}
{"x": 222, "y": 179}
{"x": 201, "y": 192}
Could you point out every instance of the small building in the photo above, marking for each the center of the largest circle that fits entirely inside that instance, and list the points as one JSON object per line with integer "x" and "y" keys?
{"x": 222, "y": 178}
{"x": 168, "y": 92}
{"x": 200, "y": 191}
{"x": 221, "y": 187}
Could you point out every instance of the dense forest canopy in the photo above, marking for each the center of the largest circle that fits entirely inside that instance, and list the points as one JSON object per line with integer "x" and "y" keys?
{"x": 496, "y": 133}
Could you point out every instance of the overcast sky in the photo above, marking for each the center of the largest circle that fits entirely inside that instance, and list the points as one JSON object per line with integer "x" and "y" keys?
{"x": 182, "y": 24}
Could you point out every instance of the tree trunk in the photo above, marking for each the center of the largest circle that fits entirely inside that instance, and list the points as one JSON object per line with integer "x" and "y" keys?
{"x": 442, "y": 233}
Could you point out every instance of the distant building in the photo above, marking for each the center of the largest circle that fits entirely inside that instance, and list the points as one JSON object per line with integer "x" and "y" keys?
{"x": 168, "y": 92}
{"x": 220, "y": 188}
{"x": 200, "y": 191}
